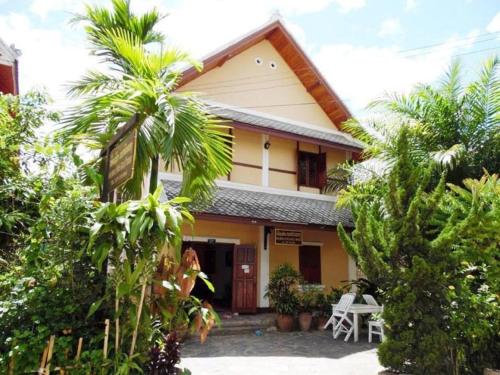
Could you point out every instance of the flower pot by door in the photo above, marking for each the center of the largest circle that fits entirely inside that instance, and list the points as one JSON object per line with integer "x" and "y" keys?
{"x": 305, "y": 320}
{"x": 285, "y": 322}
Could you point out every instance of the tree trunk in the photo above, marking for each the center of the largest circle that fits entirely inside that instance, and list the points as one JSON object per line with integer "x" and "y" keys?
{"x": 153, "y": 179}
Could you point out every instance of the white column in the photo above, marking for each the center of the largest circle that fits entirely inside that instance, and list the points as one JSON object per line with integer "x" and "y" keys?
{"x": 263, "y": 268}
{"x": 265, "y": 161}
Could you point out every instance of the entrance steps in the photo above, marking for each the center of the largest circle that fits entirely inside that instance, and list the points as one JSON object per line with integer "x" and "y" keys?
{"x": 238, "y": 324}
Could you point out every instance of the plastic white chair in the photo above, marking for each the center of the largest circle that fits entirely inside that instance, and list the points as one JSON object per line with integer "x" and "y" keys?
{"x": 372, "y": 324}
{"x": 340, "y": 321}
{"x": 375, "y": 327}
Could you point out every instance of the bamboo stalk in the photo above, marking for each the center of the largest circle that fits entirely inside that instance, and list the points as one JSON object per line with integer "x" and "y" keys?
{"x": 106, "y": 338}
{"x": 41, "y": 369}
{"x": 117, "y": 323}
{"x": 139, "y": 311}
{"x": 49, "y": 354}
{"x": 79, "y": 348}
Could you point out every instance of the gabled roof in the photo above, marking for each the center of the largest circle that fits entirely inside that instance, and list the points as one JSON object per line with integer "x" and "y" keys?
{"x": 270, "y": 124}
{"x": 281, "y": 39}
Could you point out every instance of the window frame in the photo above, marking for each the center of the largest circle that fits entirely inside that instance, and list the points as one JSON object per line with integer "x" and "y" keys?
{"x": 319, "y": 160}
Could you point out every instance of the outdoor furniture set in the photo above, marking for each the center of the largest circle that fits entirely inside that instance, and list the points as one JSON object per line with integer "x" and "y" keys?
{"x": 345, "y": 317}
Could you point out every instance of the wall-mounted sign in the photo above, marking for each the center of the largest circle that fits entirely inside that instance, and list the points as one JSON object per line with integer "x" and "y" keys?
{"x": 122, "y": 160}
{"x": 287, "y": 237}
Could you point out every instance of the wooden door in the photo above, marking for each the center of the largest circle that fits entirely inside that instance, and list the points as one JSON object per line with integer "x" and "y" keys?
{"x": 244, "y": 279}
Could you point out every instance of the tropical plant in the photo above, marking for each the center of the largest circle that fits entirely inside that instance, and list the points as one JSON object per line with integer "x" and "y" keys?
{"x": 282, "y": 289}
{"x": 49, "y": 282}
{"x": 140, "y": 78}
{"x": 454, "y": 124}
{"x": 307, "y": 300}
{"x": 412, "y": 242}
{"x": 20, "y": 117}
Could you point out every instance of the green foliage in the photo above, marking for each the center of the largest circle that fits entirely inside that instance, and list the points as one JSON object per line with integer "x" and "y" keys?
{"x": 171, "y": 125}
{"x": 282, "y": 289}
{"x": 456, "y": 125}
{"x": 307, "y": 299}
{"x": 50, "y": 284}
{"x": 412, "y": 241}
{"x": 20, "y": 117}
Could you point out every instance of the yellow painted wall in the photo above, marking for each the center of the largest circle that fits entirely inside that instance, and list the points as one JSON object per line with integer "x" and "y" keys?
{"x": 241, "y": 82}
{"x": 247, "y": 147}
{"x": 334, "y": 259}
{"x": 246, "y": 175}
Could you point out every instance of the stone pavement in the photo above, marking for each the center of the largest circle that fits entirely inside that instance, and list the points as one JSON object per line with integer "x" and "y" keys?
{"x": 276, "y": 353}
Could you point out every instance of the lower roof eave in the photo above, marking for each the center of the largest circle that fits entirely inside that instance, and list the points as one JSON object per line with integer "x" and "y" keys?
{"x": 267, "y": 222}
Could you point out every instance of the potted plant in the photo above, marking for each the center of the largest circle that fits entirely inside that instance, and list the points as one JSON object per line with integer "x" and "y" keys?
{"x": 282, "y": 294}
{"x": 323, "y": 310}
{"x": 306, "y": 304}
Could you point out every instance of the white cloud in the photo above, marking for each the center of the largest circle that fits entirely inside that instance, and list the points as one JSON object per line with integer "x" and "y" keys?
{"x": 494, "y": 25}
{"x": 362, "y": 74}
{"x": 42, "y": 8}
{"x": 410, "y": 5}
{"x": 50, "y": 57}
{"x": 390, "y": 26}
{"x": 348, "y": 5}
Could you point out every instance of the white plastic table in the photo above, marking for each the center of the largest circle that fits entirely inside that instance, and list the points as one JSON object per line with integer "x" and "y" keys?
{"x": 357, "y": 309}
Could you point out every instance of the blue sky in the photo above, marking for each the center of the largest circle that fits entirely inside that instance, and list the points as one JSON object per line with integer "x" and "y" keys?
{"x": 357, "y": 44}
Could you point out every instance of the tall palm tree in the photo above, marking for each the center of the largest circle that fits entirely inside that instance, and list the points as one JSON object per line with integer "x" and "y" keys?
{"x": 140, "y": 76}
{"x": 458, "y": 126}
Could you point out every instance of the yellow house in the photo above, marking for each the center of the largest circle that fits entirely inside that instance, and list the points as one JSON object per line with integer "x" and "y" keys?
{"x": 270, "y": 209}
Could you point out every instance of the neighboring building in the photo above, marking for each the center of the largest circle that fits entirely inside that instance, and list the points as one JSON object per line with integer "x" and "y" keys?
{"x": 285, "y": 120}
{"x": 9, "y": 78}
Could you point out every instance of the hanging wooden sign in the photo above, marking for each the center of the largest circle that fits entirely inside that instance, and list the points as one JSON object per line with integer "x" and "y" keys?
{"x": 122, "y": 160}
{"x": 287, "y": 237}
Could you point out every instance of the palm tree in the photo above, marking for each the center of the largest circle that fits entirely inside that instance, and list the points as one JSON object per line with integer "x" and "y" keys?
{"x": 458, "y": 126}
{"x": 140, "y": 78}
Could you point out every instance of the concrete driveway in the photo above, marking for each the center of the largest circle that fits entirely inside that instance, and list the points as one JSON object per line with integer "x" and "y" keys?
{"x": 310, "y": 353}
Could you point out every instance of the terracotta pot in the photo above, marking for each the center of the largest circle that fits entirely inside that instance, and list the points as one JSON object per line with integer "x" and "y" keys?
{"x": 321, "y": 322}
{"x": 285, "y": 322}
{"x": 305, "y": 320}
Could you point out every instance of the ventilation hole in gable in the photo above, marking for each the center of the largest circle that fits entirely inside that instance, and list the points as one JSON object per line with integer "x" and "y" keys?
{"x": 258, "y": 61}
{"x": 272, "y": 65}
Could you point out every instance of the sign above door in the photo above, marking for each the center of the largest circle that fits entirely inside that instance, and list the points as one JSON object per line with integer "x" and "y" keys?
{"x": 288, "y": 237}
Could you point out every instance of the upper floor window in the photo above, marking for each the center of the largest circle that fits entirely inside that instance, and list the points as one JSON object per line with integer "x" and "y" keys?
{"x": 312, "y": 169}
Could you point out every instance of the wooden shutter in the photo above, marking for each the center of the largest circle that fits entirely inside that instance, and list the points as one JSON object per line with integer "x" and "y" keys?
{"x": 322, "y": 170}
{"x": 310, "y": 263}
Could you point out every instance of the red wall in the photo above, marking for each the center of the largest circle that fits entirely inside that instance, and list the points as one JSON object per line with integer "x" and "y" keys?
{"x": 7, "y": 80}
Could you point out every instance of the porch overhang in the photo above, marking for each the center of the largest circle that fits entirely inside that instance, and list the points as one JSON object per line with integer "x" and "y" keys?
{"x": 272, "y": 208}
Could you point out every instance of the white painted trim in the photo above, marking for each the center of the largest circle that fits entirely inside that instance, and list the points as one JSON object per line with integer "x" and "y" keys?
{"x": 235, "y": 241}
{"x": 257, "y": 188}
{"x": 265, "y": 161}
{"x": 263, "y": 275}
{"x": 312, "y": 243}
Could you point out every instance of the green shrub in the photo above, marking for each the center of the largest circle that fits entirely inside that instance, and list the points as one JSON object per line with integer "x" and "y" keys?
{"x": 282, "y": 289}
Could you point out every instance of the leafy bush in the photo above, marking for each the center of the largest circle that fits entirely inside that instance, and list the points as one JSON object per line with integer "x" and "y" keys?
{"x": 431, "y": 251}
{"x": 282, "y": 289}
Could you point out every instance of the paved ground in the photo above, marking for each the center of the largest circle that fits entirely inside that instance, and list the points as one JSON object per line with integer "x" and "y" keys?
{"x": 310, "y": 353}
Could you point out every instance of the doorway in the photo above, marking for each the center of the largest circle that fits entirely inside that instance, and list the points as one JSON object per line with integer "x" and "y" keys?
{"x": 216, "y": 261}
